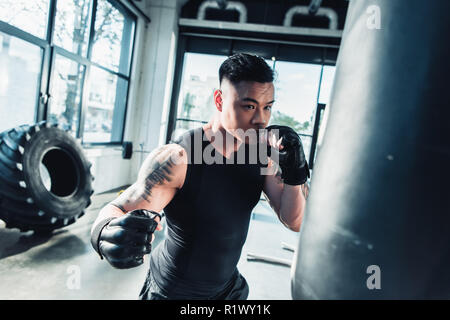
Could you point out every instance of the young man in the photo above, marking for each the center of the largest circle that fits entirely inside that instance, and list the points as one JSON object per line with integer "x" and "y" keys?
{"x": 208, "y": 204}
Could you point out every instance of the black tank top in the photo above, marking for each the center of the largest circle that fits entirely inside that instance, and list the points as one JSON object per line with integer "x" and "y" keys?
{"x": 207, "y": 223}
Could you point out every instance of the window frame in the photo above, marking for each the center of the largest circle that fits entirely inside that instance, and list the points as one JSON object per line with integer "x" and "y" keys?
{"x": 195, "y": 43}
{"x": 45, "y": 47}
{"x": 50, "y": 51}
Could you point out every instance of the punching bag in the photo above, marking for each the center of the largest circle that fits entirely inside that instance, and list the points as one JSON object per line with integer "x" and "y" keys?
{"x": 377, "y": 221}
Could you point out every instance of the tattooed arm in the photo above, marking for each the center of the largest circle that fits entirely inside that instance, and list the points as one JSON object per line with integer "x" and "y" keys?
{"x": 161, "y": 175}
{"x": 287, "y": 201}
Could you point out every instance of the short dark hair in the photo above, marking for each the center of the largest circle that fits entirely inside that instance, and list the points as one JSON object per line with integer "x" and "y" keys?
{"x": 245, "y": 67}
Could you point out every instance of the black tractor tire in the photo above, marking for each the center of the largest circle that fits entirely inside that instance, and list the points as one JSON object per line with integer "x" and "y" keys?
{"x": 45, "y": 179}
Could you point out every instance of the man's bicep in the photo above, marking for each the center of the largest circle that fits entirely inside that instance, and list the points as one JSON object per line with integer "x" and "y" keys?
{"x": 159, "y": 178}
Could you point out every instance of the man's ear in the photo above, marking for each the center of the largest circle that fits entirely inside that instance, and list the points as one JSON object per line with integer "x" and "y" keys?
{"x": 218, "y": 99}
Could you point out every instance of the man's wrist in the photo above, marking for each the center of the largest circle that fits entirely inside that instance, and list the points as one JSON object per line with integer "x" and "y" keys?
{"x": 295, "y": 176}
{"x": 95, "y": 234}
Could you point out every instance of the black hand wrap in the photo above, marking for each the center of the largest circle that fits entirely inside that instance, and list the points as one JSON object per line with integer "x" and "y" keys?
{"x": 124, "y": 241}
{"x": 95, "y": 234}
{"x": 292, "y": 161}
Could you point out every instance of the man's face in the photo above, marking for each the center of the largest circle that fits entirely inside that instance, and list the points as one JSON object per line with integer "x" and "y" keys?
{"x": 245, "y": 105}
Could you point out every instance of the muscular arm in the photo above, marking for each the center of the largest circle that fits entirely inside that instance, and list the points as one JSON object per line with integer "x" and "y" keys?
{"x": 161, "y": 175}
{"x": 287, "y": 201}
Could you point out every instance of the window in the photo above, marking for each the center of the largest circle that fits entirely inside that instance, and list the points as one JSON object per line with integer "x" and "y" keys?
{"x": 65, "y": 87}
{"x": 104, "y": 119}
{"x": 299, "y": 103}
{"x": 20, "y": 63}
{"x": 324, "y": 98}
{"x": 88, "y": 61}
{"x": 29, "y": 16}
{"x": 111, "y": 44}
{"x": 72, "y": 23}
{"x": 199, "y": 80}
{"x": 296, "y": 87}
{"x": 327, "y": 84}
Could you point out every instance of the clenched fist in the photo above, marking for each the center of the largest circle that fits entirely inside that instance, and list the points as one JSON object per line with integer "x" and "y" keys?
{"x": 124, "y": 241}
{"x": 291, "y": 157}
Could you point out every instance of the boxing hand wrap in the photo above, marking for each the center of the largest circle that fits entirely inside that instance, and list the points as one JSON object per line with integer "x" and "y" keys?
{"x": 292, "y": 160}
{"x": 124, "y": 240}
{"x": 148, "y": 214}
{"x": 95, "y": 234}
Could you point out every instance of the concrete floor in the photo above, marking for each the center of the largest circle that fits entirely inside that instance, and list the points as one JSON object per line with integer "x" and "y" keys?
{"x": 64, "y": 266}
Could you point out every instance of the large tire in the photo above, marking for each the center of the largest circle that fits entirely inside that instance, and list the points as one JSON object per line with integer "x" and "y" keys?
{"x": 29, "y": 155}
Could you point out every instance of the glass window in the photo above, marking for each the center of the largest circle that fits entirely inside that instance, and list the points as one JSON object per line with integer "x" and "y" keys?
{"x": 327, "y": 84}
{"x": 29, "y": 15}
{"x": 72, "y": 25}
{"x": 20, "y": 65}
{"x": 199, "y": 80}
{"x": 306, "y": 143}
{"x": 325, "y": 92}
{"x": 106, "y": 107}
{"x": 101, "y": 120}
{"x": 113, "y": 38}
{"x": 296, "y": 87}
{"x": 65, "y": 91}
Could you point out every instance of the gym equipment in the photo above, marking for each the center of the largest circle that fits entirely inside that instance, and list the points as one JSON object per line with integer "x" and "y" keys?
{"x": 287, "y": 246}
{"x": 45, "y": 179}
{"x": 273, "y": 260}
{"x": 378, "y": 209}
{"x": 314, "y": 6}
{"x": 127, "y": 150}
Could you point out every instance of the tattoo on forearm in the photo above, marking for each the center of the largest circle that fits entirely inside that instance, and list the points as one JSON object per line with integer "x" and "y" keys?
{"x": 155, "y": 171}
{"x": 159, "y": 173}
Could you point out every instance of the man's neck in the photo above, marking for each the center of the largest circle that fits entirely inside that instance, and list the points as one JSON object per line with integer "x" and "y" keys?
{"x": 221, "y": 140}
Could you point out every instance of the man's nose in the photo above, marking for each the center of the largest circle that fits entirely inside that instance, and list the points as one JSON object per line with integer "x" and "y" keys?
{"x": 259, "y": 118}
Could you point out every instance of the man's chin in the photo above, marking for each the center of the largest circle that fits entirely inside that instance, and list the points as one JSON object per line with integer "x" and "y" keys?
{"x": 247, "y": 136}
{"x": 253, "y": 139}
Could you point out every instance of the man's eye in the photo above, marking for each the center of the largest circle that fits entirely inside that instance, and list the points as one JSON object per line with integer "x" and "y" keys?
{"x": 249, "y": 107}
{"x": 268, "y": 107}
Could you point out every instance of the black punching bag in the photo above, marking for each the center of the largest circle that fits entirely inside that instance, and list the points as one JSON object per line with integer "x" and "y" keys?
{"x": 377, "y": 222}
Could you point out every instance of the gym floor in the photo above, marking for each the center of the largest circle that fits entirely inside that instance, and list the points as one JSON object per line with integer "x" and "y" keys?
{"x": 64, "y": 266}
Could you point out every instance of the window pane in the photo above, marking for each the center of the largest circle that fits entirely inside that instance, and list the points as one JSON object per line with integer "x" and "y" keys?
{"x": 72, "y": 25}
{"x": 200, "y": 79}
{"x": 65, "y": 90}
{"x": 113, "y": 38}
{"x": 28, "y": 15}
{"x": 327, "y": 84}
{"x": 325, "y": 92}
{"x": 106, "y": 107}
{"x": 296, "y": 88}
{"x": 306, "y": 142}
{"x": 20, "y": 65}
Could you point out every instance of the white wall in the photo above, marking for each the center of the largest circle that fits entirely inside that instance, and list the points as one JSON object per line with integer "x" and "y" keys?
{"x": 149, "y": 95}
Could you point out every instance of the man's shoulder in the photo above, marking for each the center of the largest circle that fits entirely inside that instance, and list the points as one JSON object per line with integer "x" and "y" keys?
{"x": 191, "y": 141}
{"x": 186, "y": 136}
{"x": 165, "y": 166}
